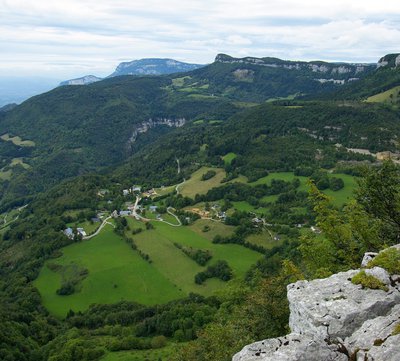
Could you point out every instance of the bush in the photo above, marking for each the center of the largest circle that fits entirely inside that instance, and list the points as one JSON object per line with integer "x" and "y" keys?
{"x": 208, "y": 175}
{"x": 336, "y": 183}
{"x": 158, "y": 342}
{"x": 388, "y": 259}
{"x": 368, "y": 281}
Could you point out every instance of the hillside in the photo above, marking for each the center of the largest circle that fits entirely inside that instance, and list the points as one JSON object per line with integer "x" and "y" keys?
{"x": 153, "y": 66}
{"x": 160, "y": 216}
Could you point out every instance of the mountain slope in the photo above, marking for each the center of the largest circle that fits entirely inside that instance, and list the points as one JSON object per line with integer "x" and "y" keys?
{"x": 85, "y": 80}
{"x": 153, "y": 66}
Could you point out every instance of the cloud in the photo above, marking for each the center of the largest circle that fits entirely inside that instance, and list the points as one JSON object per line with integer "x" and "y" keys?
{"x": 71, "y": 38}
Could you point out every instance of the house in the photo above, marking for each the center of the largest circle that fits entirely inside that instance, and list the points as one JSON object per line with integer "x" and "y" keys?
{"x": 95, "y": 220}
{"x": 126, "y": 192}
{"x": 215, "y": 207}
{"x": 81, "y": 231}
{"x": 102, "y": 192}
{"x": 114, "y": 214}
{"x": 153, "y": 208}
{"x": 315, "y": 229}
{"x": 136, "y": 189}
{"x": 125, "y": 213}
{"x": 221, "y": 216}
{"x": 69, "y": 233}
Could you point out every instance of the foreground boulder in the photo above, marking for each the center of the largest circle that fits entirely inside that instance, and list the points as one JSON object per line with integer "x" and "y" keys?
{"x": 334, "y": 319}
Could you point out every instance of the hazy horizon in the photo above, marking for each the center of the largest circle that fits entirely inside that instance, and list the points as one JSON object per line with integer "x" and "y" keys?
{"x": 69, "y": 39}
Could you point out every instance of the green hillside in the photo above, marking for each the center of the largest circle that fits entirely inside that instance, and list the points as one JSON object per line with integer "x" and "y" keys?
{"x": 212, "y": 216}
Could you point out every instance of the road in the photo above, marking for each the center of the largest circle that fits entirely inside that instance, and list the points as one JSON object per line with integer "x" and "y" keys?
{"x": 102, "y": 225}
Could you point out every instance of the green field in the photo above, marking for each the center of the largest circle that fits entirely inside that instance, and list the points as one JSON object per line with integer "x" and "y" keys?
{"x": 88, "y": 226}
{"x": 263, "y": 239}
{"x": 162, "y": 191}
{"x": 339, "y": 197}
{"x": 247, "y": 207}
{"x": 179, "y": 268}
{"x": 228, "y": 158}
{"x": 18, "y": 141}
{"x": 179, "y": 82}
{"x": 116, "y": 273}
{"x": 215, "y": 228}
{"x": 142, "y": 355}
{"x": 195, "y": 185}
{"x": 391, "y": 96}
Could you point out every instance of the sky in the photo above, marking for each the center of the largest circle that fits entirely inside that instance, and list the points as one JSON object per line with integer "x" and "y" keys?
{"x": 72, "y": 38}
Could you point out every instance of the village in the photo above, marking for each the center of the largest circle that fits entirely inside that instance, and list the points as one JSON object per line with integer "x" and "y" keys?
{"x": 152, "y": 211}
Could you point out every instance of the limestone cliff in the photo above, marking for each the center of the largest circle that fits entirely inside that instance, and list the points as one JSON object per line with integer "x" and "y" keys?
{"x": 335, "y": 319}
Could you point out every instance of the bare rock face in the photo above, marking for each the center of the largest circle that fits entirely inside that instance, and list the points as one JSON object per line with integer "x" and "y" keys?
{"x": 334, "y": 319}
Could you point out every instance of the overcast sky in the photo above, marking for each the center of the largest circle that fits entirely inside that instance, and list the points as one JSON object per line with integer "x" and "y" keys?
{"x": 71, "y": 38}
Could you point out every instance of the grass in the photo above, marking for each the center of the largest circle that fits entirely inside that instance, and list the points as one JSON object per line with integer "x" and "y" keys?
{"x": 19, "y": 161}
{"x": 215, "y": 228}
{"x": 140, "y": 355}
{"x": 180, "y": 269}
{"x": 388, "y": 259}
{"x": 345, "y": 194}
{"x": 228, "y": 158}
{"x": 5, "y": 175}
{"x": 245, "y": 104}
{"x": 116, "y": 273}
{"x": 339, "y": 197}
{"x": 195, "y": 185}
{"x": 179, "y": 82}
{"x": 391, "y": 96}
{"x": 87, "y": 226}
{"x": 263, "y": 239}
{"x": 164, "y": 190}
{"x": 247, "y": 207}
{"x": 18, "y": 141}
{"x": 368, "y": 281}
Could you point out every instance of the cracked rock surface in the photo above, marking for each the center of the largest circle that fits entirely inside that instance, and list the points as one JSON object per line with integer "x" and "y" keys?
{"x": 334, "y": 319}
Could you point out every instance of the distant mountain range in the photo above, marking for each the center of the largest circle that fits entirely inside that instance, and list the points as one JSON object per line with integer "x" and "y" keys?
{"x": 87, "y": 79}
{"x": 150, "y": 66}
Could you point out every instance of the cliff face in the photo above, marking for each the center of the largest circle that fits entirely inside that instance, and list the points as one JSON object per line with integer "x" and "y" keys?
{"x": 334, "y": 319}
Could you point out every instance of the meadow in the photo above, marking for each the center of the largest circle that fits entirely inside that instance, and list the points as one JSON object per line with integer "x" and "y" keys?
{"x": 116, "y": 273}
{"x": 195, "y": 185}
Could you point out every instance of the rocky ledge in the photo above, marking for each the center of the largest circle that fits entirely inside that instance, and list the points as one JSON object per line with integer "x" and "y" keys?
{"x": 335, "y": 319}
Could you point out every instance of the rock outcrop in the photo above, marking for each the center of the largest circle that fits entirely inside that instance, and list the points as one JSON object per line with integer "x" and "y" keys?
{"x": 145, "y": 126}
{"x": 337, "y": 73}
{"x": 335, "y": 319}
{"x": 85, "y": 80}
{"x": 390, "y": 60}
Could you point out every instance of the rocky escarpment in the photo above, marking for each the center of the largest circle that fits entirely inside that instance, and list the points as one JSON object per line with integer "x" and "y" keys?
{"x": 335, "y": 319}
{"x": 153, "y": 66}
{"x": 331, "y": 72}
{"x": 145, "y": 126}
{"x": 85, "y": 80}
{"x": 390, "y": 60}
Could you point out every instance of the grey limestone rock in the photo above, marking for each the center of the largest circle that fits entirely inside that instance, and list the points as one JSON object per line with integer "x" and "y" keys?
{"x": 324, "y": 312}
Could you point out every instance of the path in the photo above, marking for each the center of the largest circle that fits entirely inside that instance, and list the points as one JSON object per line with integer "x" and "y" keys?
{"x": 178, "y": 185}
{"x": 99, "y": 229}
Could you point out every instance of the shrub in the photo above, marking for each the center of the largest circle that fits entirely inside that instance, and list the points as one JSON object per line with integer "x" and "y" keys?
{"x": 388, "y": 259}
{"x": 368, "y": 281}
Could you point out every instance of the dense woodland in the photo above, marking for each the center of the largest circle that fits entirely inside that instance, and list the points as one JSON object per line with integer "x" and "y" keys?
{"x": 81, "y": 136}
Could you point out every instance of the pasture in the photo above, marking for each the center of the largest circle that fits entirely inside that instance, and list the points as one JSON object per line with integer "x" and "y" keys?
{"x": 116, "y": 273}
{"x": 179, "y": 268}
{"x": 228, "y": 158}
{"x": 17, "y": 140}
{"x": 391, "y": 96}
{"x": 195, "y": 185}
